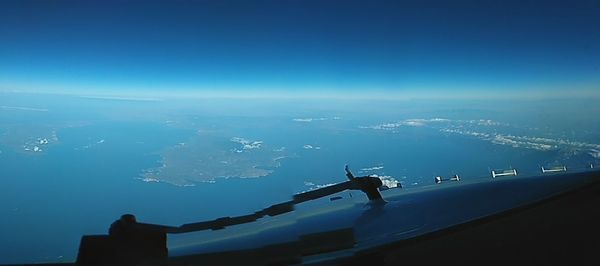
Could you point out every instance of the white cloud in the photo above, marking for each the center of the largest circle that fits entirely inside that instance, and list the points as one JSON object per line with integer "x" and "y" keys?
{"x": 302, "y": 119}
{"x": 374, "y": 168}
{"x": 527, "y": 142}
{"x": 149, "y": 179}
{"x": 419, "y": 122}
{"x": 313, "y": 186}
{"x": 309, "y": 119}
{"x": 486, "y": 122}
{"x": 88, "y": 146}
{"x": 19, "y": 108}
{"x": 246, "y": 144}
{"x": 595, "y": 153}
{"x": 489, "y": 130}
{"x": 118, "y": 98}
{"x": 310, "y": 184}
{"x": 37, "y": 144}
{"x": 413, "y": 122}
{"x": 388, "y": 181}
{"x": 310, "y": 147}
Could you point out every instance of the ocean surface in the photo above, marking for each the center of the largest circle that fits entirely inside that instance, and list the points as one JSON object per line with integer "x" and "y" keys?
{"x": 92, "y": 174}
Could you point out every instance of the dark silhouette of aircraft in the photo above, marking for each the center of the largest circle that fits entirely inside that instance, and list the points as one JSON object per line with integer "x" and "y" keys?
{"x": 544, "y": 219}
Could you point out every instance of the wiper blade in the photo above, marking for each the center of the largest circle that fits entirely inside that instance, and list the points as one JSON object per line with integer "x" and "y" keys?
{"x": 368, "y": 184}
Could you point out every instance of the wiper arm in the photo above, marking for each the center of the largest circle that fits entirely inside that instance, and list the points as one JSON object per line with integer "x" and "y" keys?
{"x": 367, "y": 184}
{"x": 130, "y": 242}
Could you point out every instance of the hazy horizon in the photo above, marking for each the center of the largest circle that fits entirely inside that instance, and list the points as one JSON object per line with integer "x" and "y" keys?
{"x": 302, "y": 49}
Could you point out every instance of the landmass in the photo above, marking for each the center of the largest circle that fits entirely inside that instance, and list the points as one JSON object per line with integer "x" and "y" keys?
{"x": 29, "y": 139}
{"x": 207, "y": 157}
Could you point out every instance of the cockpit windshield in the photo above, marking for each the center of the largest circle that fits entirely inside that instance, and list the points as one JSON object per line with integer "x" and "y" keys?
{"x": 187, "y": 111}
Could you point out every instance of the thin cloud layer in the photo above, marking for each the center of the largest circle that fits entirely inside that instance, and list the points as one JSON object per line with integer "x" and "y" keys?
{"x": 21, "y": 108}
{"x": 494, "y": 132}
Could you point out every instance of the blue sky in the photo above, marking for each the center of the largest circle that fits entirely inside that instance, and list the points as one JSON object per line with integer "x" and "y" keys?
{"x": 424, "y": 48}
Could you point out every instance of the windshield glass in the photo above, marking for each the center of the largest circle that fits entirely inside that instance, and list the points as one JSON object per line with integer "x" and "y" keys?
{"x": 186, "y": 111}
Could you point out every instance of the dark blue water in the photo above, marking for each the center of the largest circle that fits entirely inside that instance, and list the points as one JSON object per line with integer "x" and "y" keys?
{"x": 49, "y": 201}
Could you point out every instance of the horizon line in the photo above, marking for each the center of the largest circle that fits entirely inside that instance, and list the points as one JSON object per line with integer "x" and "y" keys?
{"x": 390, "y": 95}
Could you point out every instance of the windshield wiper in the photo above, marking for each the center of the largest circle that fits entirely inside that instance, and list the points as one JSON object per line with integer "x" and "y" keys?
{"x": 129, "y": 241}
